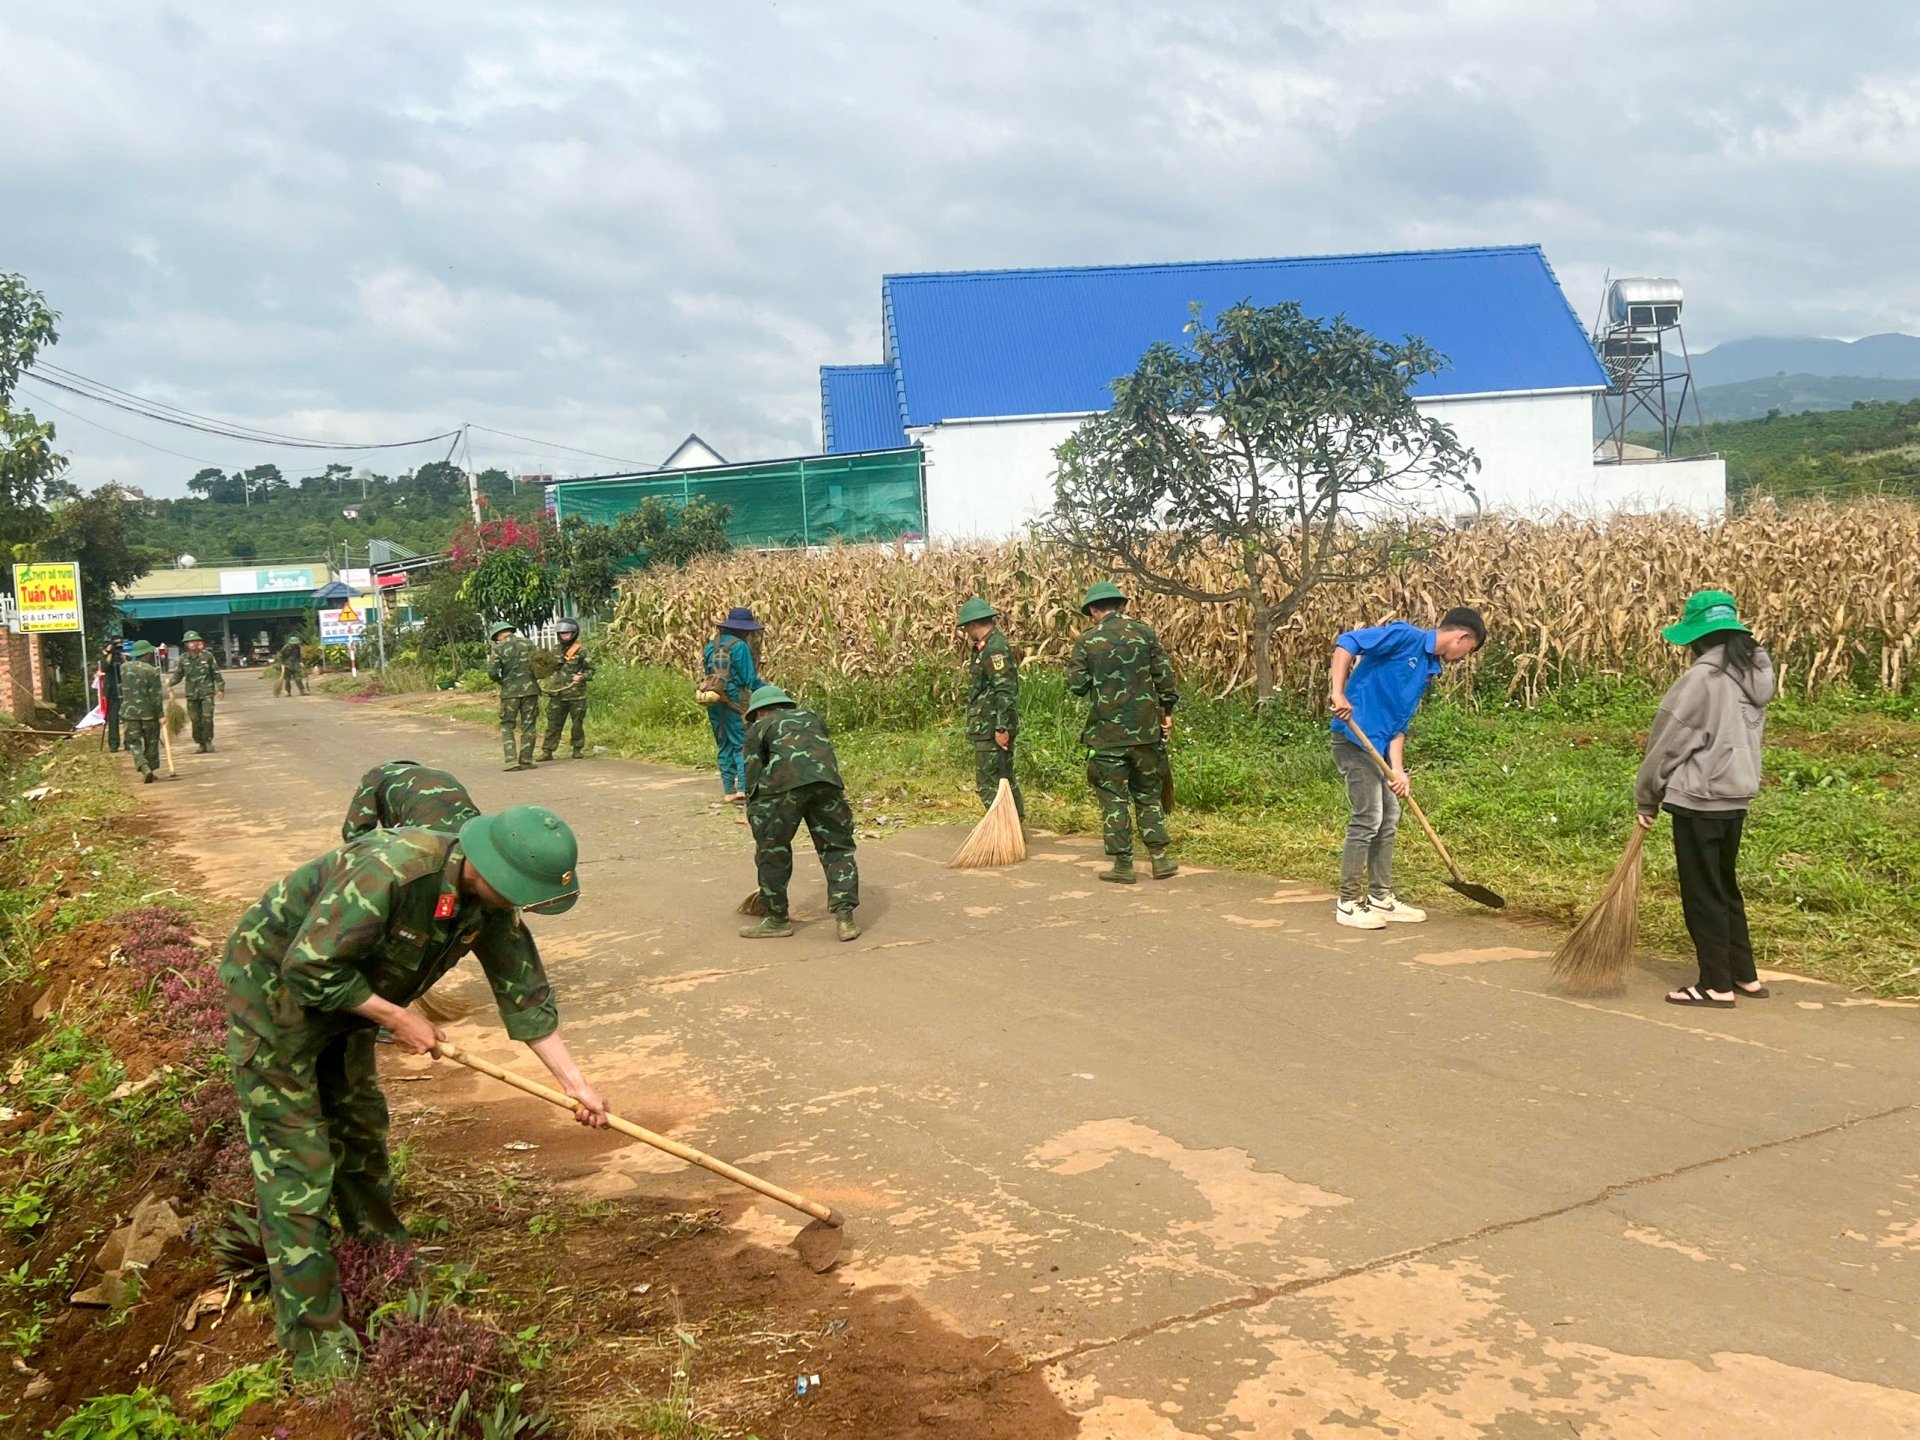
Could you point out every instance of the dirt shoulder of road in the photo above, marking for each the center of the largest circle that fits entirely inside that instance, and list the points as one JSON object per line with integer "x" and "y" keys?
{"x": 634, "y": 1316}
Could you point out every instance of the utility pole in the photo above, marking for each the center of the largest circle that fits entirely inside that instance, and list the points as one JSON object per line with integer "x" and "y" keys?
{"x": 473, "y": 484}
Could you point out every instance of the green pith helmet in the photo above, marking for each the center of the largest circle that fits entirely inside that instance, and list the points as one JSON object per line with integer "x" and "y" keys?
{"x": 497, "y": 626}
{"x": 528, "y": 854}
{"x": 190, "y": 637}
{"x": 976, "y": 610}
{"x": 142, "y": 649}
{"x": 768, "y": 695}
{"x": 1707, "y": 611}
{"x": 1105, "y": 590}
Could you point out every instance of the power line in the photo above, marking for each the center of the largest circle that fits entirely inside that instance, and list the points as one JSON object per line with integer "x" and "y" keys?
{"x": 40, "y": 400}
{"x": 555, "y": 445}
{"x": 161, "y": 413}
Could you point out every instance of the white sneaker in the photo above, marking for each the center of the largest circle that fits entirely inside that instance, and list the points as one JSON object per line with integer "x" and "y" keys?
{"x": 1389, "y": 909}
{"x": 1357, "y": 916}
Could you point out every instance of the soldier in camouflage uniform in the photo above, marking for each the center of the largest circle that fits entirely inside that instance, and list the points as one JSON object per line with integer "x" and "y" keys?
{"x": 200, "y": 672}
{"x": 340, "y": 947}
{"x": 293, "y": 666}
{"x": 993, "y": 702}
{"x": 143, "y": 709}
{"x": 567, "y": 692}
{"x": 510, "y": 666}
{"x": 793, "y": 775}
{"x": 1120, "y": 666}
{"x": 405, "y": 792}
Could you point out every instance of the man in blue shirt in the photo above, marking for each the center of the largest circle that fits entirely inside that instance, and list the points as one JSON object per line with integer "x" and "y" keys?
{"x": 1377, "y": 678}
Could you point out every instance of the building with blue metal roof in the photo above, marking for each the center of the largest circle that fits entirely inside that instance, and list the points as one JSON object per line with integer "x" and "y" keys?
{"x": 989, "y": 370}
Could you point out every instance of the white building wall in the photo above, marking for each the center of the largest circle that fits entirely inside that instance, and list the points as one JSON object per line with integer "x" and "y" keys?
{"x": 989, "y": 478}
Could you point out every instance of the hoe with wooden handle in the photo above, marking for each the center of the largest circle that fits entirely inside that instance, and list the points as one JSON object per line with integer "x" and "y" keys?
{"x": 1479, "y": 894}
{"x": 819, "y": 1244}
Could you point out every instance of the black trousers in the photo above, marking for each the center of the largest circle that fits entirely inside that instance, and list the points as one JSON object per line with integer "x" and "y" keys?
{"x": 1706, "y": 849}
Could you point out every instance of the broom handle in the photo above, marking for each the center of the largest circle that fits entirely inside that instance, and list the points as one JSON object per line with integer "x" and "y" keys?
{"x": 1412, "y": 804}
{"x": 647, "y": 1137}
{"x": 166, "y": 738}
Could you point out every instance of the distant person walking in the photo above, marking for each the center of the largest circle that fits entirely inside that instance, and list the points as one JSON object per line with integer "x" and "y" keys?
{"x": 1375, "y": 683}
{"x": 567, "y": 691}
{"x": 200, "y": 673}
{"x": 1703, "y": 768}
{"x": 729, "y": 674}
{"x": 143, "y": 707}
{"x": 993, "y": 702}
{"x": 111, "y": 658}
{"x": 510, "y": 666}
{"x": 293, "y": 666}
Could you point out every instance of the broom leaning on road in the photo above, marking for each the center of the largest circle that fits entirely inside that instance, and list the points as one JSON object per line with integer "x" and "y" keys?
{"x": 997, "y": 840}
{"x": 1594, "y": 959}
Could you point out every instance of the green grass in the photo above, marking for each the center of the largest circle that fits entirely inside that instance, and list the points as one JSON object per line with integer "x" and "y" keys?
{"x": 1536, "y": 803}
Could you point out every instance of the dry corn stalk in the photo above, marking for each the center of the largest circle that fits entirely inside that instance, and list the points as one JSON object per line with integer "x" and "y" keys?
{"x": 1829, "y": 587}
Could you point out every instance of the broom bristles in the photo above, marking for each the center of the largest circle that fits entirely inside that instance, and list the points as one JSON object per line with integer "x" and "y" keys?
{"x": 176, "y": 717}
{"x": 754, "y": 904}
{"x": 997, "y": 840}
{"x": 1595, "y": 958}
{"x": 443, "y": 1009}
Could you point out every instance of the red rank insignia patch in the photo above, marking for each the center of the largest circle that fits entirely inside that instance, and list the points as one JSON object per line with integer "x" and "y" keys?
{"x": 445, "y": 908}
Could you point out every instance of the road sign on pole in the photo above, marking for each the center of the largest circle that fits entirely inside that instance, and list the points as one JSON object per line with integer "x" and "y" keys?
{"x": 47, "y": 598}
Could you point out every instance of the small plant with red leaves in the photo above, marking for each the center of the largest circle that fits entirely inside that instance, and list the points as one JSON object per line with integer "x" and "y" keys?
{"x": 421, "y": 1363}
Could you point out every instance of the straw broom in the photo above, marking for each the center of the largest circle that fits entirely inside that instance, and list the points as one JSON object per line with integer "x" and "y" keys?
{"x": 1595, "y": 958}
{"x": 176, "y": 717}
{"x": 997, "y": 840}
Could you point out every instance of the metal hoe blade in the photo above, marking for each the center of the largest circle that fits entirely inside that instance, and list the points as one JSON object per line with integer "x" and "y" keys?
{"x": 1479, "y": 894}
{"x": 819, "y": 1246}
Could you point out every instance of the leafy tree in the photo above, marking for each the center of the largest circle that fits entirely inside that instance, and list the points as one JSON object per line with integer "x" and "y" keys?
{"x": 28, "y": 461}
{"x": 1261, "y": 442}
{"x": 100, "y": 530}
{"x": 511, "y": 585}
{"x": 592, "y": 557}
{"x": 265, "y": 481}
{"x": 441, "y": 480}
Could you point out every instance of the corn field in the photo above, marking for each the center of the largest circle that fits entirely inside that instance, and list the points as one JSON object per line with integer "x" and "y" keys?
{"x": 1832, "y": 589}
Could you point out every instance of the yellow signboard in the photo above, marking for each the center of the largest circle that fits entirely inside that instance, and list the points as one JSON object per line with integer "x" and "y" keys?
{"x": 348, "y": 615}
{"x": 46, "y": 597}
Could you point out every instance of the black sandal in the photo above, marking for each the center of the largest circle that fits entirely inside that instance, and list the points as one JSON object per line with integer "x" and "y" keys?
{"x": 1694, "y": 995}
{"x": 1759, "y": 991}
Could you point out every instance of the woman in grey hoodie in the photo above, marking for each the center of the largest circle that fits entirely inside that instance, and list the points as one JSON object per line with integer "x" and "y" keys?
{"x": 1703, "y": 768}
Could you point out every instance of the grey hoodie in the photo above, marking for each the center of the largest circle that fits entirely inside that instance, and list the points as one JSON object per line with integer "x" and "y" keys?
{"x": 1703, "y": 752}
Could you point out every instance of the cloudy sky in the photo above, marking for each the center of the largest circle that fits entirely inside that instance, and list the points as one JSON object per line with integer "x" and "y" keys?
{"x": 607, "y": 224}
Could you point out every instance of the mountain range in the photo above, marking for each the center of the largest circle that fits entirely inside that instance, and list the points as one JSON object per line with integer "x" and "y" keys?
{"x": 1745, "y": 379}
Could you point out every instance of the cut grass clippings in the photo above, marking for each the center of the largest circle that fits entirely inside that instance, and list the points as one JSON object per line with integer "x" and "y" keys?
{"x": 1536, "y": 803}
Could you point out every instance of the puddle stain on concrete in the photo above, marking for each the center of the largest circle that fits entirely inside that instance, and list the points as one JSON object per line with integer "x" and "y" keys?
{"x": 1250, "y": 1206}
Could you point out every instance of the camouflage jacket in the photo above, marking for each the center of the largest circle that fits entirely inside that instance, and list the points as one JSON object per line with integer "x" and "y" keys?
{"x": 382, "y": 916}
{"x": 143, "y": 692}
{"x": 202, "y": 674}
{"x": 993, "y": 693}
{"x": 787, "y": 747}
{"x": 1119, "y": 665}
{"x": 292, "y": 656}
{"x": 510, "y": 666}
{"x": 402, "y": 792}
{"x": 569, "y": 679}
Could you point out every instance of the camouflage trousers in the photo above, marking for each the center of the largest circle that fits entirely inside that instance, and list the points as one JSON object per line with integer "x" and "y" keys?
{"x": 143, "y": 743}
{"x": 1126, "y": 781}
{"x": 521, "y": 713}
{"x": 200, "y": 712}
{"x": 776, "y": 818}
{"x": 991, "y": 765}
{"x": 290, "y": 676}
{"x": 561, "y": 709}
{"x": 316, "y": 1130}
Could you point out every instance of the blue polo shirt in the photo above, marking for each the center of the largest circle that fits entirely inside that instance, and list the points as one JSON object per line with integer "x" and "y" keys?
{"x": 1396, "y": 664}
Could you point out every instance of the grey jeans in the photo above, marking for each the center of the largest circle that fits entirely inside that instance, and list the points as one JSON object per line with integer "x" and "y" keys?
{"x": 1366, "y": 862}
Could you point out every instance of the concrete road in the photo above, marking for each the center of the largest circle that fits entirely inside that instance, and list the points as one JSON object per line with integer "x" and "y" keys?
{"x": 1223, "y": 1167}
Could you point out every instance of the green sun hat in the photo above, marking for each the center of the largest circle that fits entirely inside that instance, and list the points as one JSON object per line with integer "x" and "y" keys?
{"x": 190, "y": 637}
{"x": 1105, "y": 590}
{"x": 1706, "y": 612}
{"x": 497, "y": 626}
{"x": 976, "y": 610}
{"x": 142, "y": 649}
{"x": 528, "y": 854}
{"x": 768, "y": 695}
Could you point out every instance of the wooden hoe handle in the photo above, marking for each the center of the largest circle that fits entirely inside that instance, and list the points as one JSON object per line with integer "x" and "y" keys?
{"x": 1412, "y": 804}
{"x": 647, "y": 1137}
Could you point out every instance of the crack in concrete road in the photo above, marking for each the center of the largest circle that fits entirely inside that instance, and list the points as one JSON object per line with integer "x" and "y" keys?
{"x": 1261, "y": 1294}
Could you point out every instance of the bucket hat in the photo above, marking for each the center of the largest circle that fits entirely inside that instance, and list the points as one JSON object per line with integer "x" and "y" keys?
{"x": 1105, "y": 590}
{"x": 740, "y": 618}
{"x": 497, "y": 626}
{"x": 1706, "y": 612}
{"x": 768, "y": 695}
{"x": 528, "y": 854}
{"x": 976, "y": 610}
{"x": 190, "y": 637}
{"x": 142, "y": 649}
